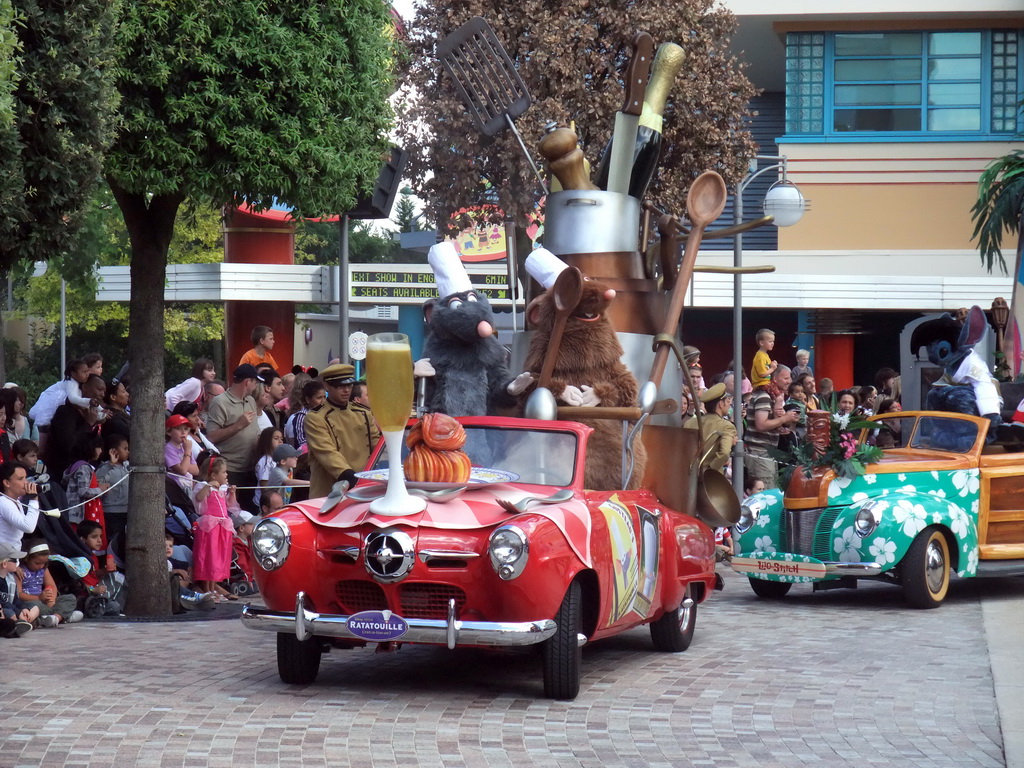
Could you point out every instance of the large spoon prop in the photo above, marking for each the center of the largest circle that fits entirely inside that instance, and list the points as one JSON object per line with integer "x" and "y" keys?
{"x": 704, "y": 204}
{"x": 567, "y": 292}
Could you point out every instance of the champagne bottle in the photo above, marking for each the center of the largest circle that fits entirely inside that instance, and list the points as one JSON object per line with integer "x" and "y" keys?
{"x": 647, "y": 151}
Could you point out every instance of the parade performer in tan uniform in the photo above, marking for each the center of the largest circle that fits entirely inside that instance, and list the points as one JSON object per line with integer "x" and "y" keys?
{"x": 340, "y": 434}
{"x": 717, "y": 402}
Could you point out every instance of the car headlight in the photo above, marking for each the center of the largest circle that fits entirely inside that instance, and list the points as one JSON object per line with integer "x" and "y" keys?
{"x": 868, "y": 517}
{"x": 749, "y": 511}
{"x": 509, "y": 550}
{"x": 271, "y": 541}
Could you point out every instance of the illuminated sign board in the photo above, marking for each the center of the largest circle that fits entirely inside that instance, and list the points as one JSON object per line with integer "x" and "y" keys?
{"x": 414, "y": 283}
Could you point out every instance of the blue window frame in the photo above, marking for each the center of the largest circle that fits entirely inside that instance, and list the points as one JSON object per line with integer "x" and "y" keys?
{"x": 944, "y": 84}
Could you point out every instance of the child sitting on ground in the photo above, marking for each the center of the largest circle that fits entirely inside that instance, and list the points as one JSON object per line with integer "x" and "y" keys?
{"x": 183, "y": 596}
{"x": 97, "y": 602}
{"x": 282, "y": 475}
{"x": 17, "y": 617}
{"x": 38, "y": 590}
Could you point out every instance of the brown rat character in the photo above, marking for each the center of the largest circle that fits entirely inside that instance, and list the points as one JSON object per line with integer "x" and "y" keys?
{"x": 588, "y": 371}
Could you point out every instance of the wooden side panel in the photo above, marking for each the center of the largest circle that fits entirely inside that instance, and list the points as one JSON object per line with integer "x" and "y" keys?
{"x": 1001, "y": 517}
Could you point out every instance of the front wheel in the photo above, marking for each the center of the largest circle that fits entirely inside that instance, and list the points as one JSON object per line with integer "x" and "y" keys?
{"x": 673, "y": 632}
{"x": 924, "y": 571}
{"x": 298, "y": 661}
{"x": 770, "y": 590}
{"x": 562, "y": 653}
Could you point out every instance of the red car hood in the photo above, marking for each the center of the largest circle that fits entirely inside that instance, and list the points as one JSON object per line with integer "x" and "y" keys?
{"x": 472, "y": 510}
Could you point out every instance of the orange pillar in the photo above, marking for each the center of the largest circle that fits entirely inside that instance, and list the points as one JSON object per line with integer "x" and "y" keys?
{"x": 833, "y": 359}
{"x": 259, "y": 239}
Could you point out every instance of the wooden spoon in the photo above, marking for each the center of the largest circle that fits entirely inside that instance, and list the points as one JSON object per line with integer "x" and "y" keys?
{"x": 704, "y": 204}
{"x": 567, "y": 292}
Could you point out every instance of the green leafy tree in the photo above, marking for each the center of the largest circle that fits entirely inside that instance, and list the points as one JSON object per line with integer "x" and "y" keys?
{"x": 571, "y": 55}
{"x": 228, "y": 102}
{"x": 56, "y": 120}
{"x": 999, "y": 208}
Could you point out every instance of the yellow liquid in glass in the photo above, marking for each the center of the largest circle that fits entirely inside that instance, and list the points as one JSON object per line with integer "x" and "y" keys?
{"x": 390, "y": 383}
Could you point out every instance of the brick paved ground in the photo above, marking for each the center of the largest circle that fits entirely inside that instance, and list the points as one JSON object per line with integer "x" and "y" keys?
{"x": 831, "y": 679}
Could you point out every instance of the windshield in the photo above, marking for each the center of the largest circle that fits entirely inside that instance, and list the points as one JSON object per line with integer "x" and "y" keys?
{"x": 537, "y": 456}
{"x": 934, "y": 433}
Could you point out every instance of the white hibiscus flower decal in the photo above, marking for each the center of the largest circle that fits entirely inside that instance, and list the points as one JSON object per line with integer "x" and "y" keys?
{"x": 764, "y": 544}
{"x": 912, "y": 517}
{"x": 958, "y": 522}
{"x": 762, "y": 520}
{"x": 936, "y": 517}
{"x": 972, "y": 563}
{"x": 870, "y": 479}
{"x": 847, "y": 546}
{"x": 966, "y": 481}
{"x": 935, "y": 474}
{"x": 860, "y": 496}
{"x": 883, "y": 550}
{"x": 835, "y": 488}
{"x": 940, "y": 493}
{"x": 770, "y": 499}
{"x": 901, "y": 477}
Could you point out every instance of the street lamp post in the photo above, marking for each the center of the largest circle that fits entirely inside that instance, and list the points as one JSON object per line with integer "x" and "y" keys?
{"x": 786, "y": 205}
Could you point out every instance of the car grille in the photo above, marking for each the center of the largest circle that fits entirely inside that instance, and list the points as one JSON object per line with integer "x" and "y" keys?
{"x": 356, "y": 596}
{"x": 808, "y": 531}
{"x": 429, "y": 601}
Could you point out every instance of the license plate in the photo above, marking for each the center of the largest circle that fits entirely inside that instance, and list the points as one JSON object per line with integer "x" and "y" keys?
{"x": 377, "y": 626}
{"x": 775, "y": 566}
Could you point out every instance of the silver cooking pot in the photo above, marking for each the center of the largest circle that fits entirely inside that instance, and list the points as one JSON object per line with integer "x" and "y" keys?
{"x": 585, "y": 221}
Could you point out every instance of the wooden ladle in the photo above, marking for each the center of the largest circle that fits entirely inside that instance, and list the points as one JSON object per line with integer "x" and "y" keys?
{"x": 704, "y": 204}
{"x": 567, "y": 291}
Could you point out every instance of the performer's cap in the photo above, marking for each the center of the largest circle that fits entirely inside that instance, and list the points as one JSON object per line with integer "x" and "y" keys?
{"x": 339, "y": 373}
{"x": 449, "y": 271}
{"x": 544, "y": 267}
{"x": 713, "y": 393}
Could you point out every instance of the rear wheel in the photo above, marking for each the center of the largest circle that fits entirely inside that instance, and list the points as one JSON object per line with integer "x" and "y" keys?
{"x": 770, "y": 590}
{"x": 673, "y": 632}
{"x": 924, "y": 570}
{"x": 562, "y": 652}
{"x": 298, "y": 661}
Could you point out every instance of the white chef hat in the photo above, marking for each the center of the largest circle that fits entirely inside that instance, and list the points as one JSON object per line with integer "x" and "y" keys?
{"x": 449, "y": 272}
{"x": 544, "y": 267}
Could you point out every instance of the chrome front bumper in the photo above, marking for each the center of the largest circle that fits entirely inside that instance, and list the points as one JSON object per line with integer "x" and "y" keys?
{"x": 450, "y": 632}
{"x": 852, "y": 569}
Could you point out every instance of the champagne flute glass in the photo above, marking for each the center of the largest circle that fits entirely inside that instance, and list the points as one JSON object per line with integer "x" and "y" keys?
{"x": 389, "y": 383}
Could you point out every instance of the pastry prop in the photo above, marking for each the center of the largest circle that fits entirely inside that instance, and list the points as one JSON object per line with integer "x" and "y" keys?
{"x": 435, "y": 451}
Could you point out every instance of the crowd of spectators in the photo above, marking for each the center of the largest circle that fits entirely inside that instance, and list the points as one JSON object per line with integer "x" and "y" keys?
{"x": 776, "y": 399}
{"x": 235, "y": 450}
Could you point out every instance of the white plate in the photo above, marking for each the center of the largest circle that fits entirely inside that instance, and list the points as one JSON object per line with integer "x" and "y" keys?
{"x": 479, "y": 477}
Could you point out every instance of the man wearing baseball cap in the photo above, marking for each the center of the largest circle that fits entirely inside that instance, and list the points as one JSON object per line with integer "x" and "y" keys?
{"x": 231, "y": 426}
{"x": 340, "y": 434}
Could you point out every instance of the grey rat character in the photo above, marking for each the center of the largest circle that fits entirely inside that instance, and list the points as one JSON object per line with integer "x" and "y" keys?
{"x": 470, "y": 374}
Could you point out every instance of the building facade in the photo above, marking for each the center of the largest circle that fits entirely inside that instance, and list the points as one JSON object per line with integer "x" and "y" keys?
{"x": 887, "y": 113}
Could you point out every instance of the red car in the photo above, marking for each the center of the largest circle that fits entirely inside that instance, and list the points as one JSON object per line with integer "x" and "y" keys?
{"x": 567, "y": 567}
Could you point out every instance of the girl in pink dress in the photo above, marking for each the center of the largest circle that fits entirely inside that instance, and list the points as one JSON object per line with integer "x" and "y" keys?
{"x": 213, "y": 530}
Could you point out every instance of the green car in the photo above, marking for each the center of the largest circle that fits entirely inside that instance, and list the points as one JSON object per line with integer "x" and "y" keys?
{"x": 941, "y": 500}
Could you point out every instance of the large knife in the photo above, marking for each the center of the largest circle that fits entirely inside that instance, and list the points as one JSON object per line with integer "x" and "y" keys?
{"x": 620, "y": 166}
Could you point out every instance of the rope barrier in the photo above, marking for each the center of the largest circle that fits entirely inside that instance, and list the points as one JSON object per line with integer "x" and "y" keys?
{"x": 145, "y": 470}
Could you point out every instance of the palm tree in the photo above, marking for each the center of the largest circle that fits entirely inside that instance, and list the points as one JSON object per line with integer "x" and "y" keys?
{"x": 1000, "y": 206}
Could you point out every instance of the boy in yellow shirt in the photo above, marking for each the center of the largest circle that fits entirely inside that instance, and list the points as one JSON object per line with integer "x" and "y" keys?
{"x": 763, "y": 366}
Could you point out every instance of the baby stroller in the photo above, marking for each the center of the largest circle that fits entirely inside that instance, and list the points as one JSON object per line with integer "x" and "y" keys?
{"x": 240, "y": 580}
{"x": 180, "y": 513}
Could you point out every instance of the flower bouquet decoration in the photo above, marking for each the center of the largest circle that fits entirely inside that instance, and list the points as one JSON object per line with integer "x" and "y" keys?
{"x": 831, "y": 443}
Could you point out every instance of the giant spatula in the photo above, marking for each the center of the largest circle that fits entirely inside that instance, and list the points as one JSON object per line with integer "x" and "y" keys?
{"x": 487, "y": 80}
